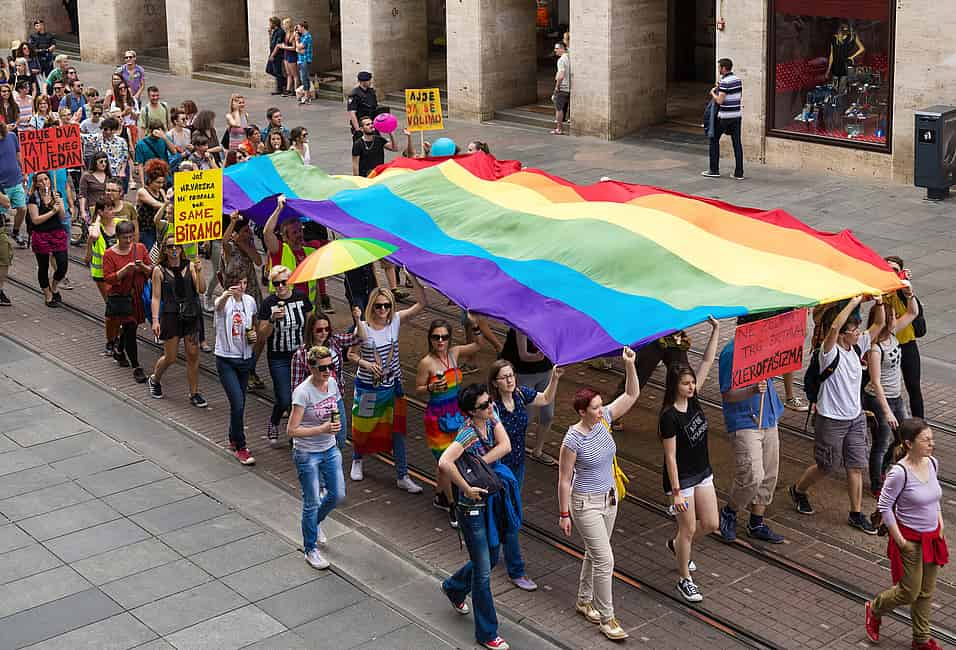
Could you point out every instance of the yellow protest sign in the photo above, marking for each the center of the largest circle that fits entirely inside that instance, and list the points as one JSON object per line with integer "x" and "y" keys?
{"x": 198, "y": 206}
{"x": 423, "y": 109}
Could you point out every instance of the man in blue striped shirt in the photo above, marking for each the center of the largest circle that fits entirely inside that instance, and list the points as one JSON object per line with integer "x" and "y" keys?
{"x": 727, "y": 94}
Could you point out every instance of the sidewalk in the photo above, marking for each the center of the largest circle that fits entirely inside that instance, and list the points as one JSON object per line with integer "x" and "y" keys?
{"x": 118, "y": 530}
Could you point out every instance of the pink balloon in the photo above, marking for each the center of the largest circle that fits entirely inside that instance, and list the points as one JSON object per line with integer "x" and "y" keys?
{"x": 385, "y": 123}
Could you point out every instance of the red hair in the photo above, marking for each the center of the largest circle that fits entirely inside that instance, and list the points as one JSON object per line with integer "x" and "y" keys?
{"x": 583, "y": 397}
{"x": 155, "y": 168}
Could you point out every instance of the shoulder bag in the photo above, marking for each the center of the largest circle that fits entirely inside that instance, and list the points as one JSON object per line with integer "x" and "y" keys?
{"x": 120, "y": 306}
{"x": 477, "y": 473}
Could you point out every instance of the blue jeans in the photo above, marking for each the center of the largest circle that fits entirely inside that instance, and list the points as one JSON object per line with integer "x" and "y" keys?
{"x": 398, "y": 453}
{"x": 311, "y": 465}
{"x": 512, "y": 547}
{"x": 281, "y": 371}
{"x": 475, "y": 576}
{"x": 340, "y": 437}
{"x": 304, "y": 75}
{"x": 881, "y": 452}
{"x": 234, "y": 377}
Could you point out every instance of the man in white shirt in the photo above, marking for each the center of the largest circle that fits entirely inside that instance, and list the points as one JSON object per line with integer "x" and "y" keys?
{"x": 839, "y": 424}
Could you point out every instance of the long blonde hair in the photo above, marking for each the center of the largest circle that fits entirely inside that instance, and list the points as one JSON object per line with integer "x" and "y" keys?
{"x": 233, "y": 98}
{"x": 370, "y": 307}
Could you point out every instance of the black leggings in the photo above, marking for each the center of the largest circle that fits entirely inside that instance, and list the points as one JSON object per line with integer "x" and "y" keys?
{"x": 127, "y": 343}
{"x": 43, "y": 267}
{"x": 910, "y": 365}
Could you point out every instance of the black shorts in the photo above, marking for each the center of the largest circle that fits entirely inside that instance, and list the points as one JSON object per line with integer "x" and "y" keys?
{"x": 562, "y": 100}
{"x": 172, "y": 326}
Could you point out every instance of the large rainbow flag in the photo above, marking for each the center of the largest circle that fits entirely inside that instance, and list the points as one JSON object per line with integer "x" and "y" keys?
{"x": 581, "y": 269}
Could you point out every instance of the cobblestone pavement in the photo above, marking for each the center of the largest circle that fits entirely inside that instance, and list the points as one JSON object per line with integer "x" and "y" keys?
{"x": 893, "y": 219}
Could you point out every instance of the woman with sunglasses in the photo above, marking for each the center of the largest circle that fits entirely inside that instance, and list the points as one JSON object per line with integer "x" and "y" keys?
{"x": 483, "y": 517}
{"x": 92, "y": 190}
{"x": 440, "y": 376}
{"x": 318, "y": 331}
{"x": 282, "y": 317}
{"x": 313, "y": 424}
{"x": 299, "y": 139}
{"x": 177, "y": 283}
{"x": 378, "y": 410}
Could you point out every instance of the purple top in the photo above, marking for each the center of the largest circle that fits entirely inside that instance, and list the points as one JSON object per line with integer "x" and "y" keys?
{"x": 917, "y": 504}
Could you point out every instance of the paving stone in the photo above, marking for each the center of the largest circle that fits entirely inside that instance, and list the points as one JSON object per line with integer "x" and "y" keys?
{"x": 6, "y": 444}
{"x": 29, "y": 480}
{"x": 410, "y": 636}
{"x": 236, "y": 629}
{"x": 285, "y": 641}
{"x": 40, "y": 588}
{"x": 123, "y": 478}
{"x": 55, "y": 618}
{"x": 22, "y": 401}
{"x": 125, "y": 561}
{"x": 339, "y": 629}
{"x": 180, "y": 514}
{"x": 241, "y": 554}
{"x": 18, "y": 460}
{"x": 312, "y": 600}
{"x": 189, "y": 607}
{"x": 212, "y": 533}
{"x": 156, "y": 583}
{"x": 81, "y": 443}
{"x": 26, "y": 561}
{"x": 272, "y": 577}
{"x": 38, "y": 414}
{"x": 158, "y": 644}
{"x": 45, "y": 429}
{"x": 116, "y": 633}
{"x": 45, "y": 500}
{"x": 67, "y": 520}
{"x": 150, "y": 496}
{"x": 98, "y": 539}
{"x": 11, "y": 537}
{"x": 93, "y": 463}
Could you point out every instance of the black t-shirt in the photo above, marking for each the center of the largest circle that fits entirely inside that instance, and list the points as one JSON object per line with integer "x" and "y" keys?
{"x": 371, "y": 154}
{"x": 287, "y": 332}
{"x": 363, "y": 102}
{"x": 509, "y": 352}
{"x": 690, "y": 429}
{"x": 50, "y": 225}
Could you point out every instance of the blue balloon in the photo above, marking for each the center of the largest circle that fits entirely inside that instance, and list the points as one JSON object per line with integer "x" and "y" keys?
{"x": 443, "y": 147}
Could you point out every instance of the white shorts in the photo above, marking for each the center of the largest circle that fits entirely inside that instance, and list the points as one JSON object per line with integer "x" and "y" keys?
{"x": 689, "y": 492}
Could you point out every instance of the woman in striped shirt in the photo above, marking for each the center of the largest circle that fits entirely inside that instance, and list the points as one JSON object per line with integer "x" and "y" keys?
{"x": 378, "y": 409}
{"x": 588, "y": 497}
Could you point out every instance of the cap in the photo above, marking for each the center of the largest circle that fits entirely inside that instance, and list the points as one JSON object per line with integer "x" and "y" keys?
{"x": 364, "y": 76}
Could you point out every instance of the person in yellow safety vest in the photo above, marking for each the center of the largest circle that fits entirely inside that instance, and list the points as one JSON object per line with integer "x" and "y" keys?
{"x": 102, "y": 235}
{"x": 291, "y": 250}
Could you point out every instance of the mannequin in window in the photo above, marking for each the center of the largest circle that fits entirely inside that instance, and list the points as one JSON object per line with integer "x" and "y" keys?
{"x": 845, "y": 49}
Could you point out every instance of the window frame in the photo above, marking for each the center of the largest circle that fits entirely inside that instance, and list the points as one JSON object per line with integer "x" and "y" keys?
{"x": 771, "y": 131}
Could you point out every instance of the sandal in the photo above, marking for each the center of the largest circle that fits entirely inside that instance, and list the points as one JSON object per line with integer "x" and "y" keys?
{"x": 544, "y": 458}
{"x": 556, "y": 132}
{"x": 205, "y": 347}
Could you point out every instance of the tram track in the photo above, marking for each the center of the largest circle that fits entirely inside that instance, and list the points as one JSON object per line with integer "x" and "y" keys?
{"x": 541, "y": 534}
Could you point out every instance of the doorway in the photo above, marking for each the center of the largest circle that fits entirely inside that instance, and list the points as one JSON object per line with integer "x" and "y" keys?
{"x": 691, "y": 61}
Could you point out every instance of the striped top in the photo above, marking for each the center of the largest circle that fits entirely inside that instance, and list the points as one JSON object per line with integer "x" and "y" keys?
{"x": 595, "y": 451}
{"x": 733, "y": 87}
{"x": 381, "y": 346}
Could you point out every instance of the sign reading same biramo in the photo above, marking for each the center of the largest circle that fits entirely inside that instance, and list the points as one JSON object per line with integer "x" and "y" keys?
{"x": 423, "y": 109}
{"x": 198, "y": 214}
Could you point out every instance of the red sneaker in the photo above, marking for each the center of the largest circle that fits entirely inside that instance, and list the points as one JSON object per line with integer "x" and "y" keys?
{"x": 926, "y": 645}
{"x": 873, "y": 623}
{"x": 497, "y": 643}
{"x": 244, "y": 457}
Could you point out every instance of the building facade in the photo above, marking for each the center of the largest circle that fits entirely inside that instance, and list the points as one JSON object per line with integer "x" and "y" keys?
{"x": 828, "y": 84}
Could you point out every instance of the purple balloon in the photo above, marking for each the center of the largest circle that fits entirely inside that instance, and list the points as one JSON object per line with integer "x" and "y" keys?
{"x": 385, "y": 123}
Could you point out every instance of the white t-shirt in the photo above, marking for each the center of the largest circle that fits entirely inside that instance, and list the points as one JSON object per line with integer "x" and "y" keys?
{"x": 381, "y": 346}
{"x": 317, "y": 407}
{"x": 231, "y": 325}
{"x": 564, "y": 63}
{"x": 840, "y": 393}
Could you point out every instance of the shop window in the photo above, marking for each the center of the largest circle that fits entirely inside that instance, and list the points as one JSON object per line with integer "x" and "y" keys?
{"x": 831, "y": 75}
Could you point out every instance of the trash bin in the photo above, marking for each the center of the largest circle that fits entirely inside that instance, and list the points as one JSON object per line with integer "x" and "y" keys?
{"x": 934, "y": 163}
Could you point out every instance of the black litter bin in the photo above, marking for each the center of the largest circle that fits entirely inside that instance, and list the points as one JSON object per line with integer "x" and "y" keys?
{"x": 934, "y": 163}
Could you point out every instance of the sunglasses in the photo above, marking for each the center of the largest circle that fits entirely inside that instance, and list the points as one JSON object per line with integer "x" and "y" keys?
{"x": 279, "y": 283}
{"x": 482, "y": 406}
{"x": 325, "y": 367}
{"x": 129, "y": 57}
{"x": 96, "y": 114}
{"x": 319, "y": 330}
{"x": 383, "y": 305}
{"x": 440, "y": 337}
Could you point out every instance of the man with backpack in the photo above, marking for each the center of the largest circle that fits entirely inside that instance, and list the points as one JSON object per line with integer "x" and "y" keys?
{"x": 834, "y": 381}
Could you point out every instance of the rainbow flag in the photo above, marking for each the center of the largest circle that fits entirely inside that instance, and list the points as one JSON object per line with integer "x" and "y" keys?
{"x": 581, "y": 269}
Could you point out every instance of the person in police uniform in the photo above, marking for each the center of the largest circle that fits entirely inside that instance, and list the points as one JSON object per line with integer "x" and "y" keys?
{"x": 362, "y": 102}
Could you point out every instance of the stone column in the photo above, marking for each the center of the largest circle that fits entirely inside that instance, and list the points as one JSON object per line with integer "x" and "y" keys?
{"x": 316, "y": 12}
{"x": 491, "y": 57}
{"x": 110, "y": 27}
{"x": 389, "y": 39}
{"x": 618, "y": 66}
{"x": 15, "y": 25}
{"x": 203, "y": 32}
{"x": 744, "y": 41}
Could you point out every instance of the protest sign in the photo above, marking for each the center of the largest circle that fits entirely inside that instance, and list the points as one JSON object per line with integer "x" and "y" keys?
{"x": 769, "y": 347}
{"x": 198, "y": 206}
{"x": 423, "y": 109}
{"x": 53, "y": 148}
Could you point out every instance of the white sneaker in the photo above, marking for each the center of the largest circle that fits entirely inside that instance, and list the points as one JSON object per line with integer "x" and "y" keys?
{"x": 315, "y": 560}
{"x": 407, "y": 484}
{"x": 320, "y": 537}
{"x": 356, "y": 474}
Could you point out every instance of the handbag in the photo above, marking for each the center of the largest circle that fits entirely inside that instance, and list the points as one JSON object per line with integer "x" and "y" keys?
{"x": 477, "y": 474}
{"x": 620, "y": 478}
{"x": 119, "y": 306}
